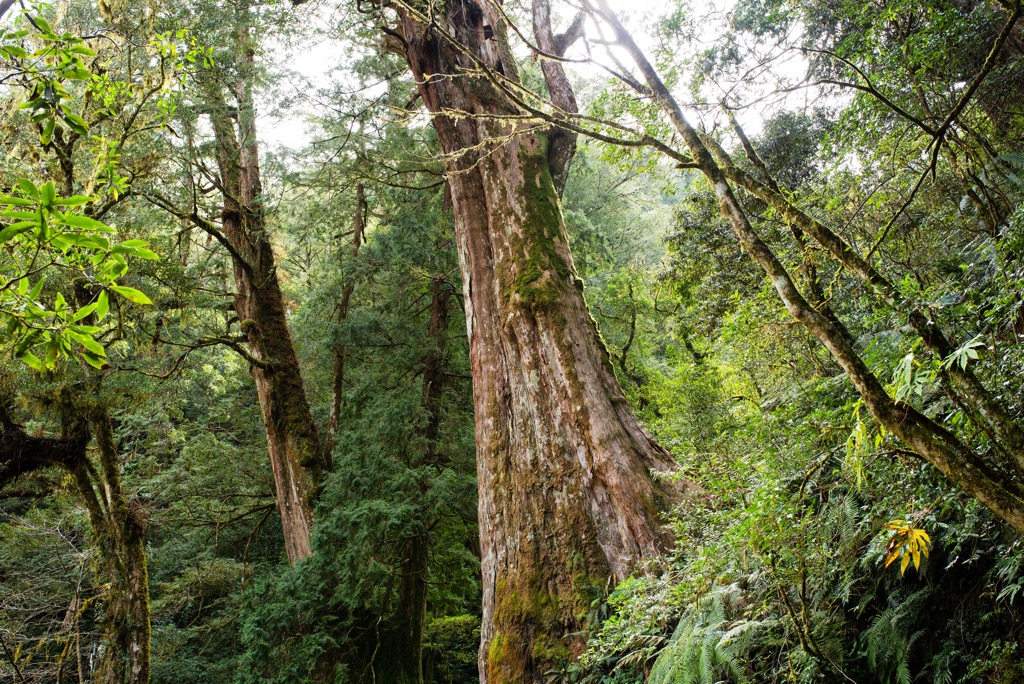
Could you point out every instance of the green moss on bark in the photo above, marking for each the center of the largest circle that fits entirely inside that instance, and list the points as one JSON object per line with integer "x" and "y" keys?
{"x": 532, "y": 625}
{"x": 542, "y": 272}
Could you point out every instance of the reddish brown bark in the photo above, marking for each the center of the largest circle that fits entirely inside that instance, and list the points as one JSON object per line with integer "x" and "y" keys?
{"x": 294, "y": 447}
{"x": 568, "y": 504}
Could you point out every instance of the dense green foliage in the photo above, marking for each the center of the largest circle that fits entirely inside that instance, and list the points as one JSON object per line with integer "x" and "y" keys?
{"x": 819, "y": 548}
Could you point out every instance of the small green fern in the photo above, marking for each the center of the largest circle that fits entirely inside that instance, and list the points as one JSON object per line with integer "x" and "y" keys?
{"x": 890, "y": 639}
{"x": 706, "y": 646}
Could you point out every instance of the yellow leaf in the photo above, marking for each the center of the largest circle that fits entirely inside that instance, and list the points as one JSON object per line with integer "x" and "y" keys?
{"x": 891, "y": 557}
{"x": 905, "y": 563}
{"x": 917, "y": 561}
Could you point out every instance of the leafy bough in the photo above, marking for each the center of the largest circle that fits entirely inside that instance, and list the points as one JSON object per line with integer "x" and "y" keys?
{"x": 45, "y": 234}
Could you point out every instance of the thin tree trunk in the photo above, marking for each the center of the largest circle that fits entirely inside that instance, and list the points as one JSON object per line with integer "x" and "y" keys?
{"x": 1001, "y": 494}
{"x": 347, "y": 288}
{"x": 296, "y": 457}
{"x": 568, "y": 503}
{"x": 403, "y": 650}
{"x": 983, "y": 407}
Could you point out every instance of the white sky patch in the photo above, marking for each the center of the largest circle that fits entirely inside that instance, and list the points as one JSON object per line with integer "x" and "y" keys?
{"x": 311, "y": 68}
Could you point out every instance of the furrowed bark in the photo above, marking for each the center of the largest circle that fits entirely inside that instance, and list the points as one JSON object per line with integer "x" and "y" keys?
{"x": 296, "y": 457}
{"x": 1001, "y": 494}
{"x": 568, "y": 504}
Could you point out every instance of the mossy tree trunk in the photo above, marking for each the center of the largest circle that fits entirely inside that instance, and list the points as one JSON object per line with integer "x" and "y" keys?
{"x": 1001, "y": 492}
{"x": 118, "y": 530}
{"x": 293, "y": 444}
{"x": 568, "y": 504}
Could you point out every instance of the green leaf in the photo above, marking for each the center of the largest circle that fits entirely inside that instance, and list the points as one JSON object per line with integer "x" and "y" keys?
{"x": 23, "y": 215}
{"x": 77, "y": 74}
{"x": 37, "y": 289}
{"x": 29, "y": 188}
{"x": 32, "y": 361}
{"x": 102, "y": 305}
{"x": 43, "y": 25}
{"x": 16, "y": 229}
{"x": 76, "y": 123}
{"x": 82, "y": 50}
{"x": 17, "y": 201}
{"x": 85, "y": 222}
{"x": 85, "y": 240}
{"x": 88, "y": 342}
{"x": 131, "y": 294}
{"x": 74, "y": 200}
{"x": 47, "y": 135}
{"x": 115, "y": 269}
{"x": 97, "y": 362}
{"x": 139, "y": 252}
{"x": 84, "y": 311}
{"x": 47, "y": 193}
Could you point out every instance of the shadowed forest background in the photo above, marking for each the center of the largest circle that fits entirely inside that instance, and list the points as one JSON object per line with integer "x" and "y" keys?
{"x": 520, "y": 343}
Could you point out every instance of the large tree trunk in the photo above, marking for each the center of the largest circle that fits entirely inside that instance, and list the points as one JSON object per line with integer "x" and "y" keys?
{"x": 568, "y": 503}
{"x": 295, "y": 455}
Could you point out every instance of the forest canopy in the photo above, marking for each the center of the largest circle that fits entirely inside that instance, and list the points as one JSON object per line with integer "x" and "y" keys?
{"x": 417, "y": 341}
